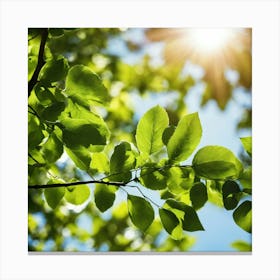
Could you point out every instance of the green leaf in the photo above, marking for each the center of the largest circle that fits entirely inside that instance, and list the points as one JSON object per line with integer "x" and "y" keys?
{"x": 150, "y": 129}
{"x": 179, "y": 179}
{"x": 77, "y": 195}
{"x": 168, "y": 132}
{"x": 32, "y": 63}
{"x": 246, "y": 179}
{"x": 52, "y": 149}
{"x": 80, "y": 156}
{"x": 153, "y": 178}
{"x": 56, "y": 32}
{"x": 165, "y": 194}
{"x": 52, "y": 112}
{"x": 35, "y": 158}
{"x": 214, "y": 193}
{"x": 54, "y": 70}
{"x": 121, "y": 162}
{"x": 242, "y": 216}
{"x": 82, "y": 127}
{"x": 190, "y": 220}
{"x": 247, "y": 144}
{"x": 168, "y": 220}
{"x": 44, "y": 95}
{"x": 104, "y": 196}
{"x": 84, "y": 86}
{"x": 100, "y": 163}
{"x": 84, "y": 132}
{"x": 198, "y": 195}
{"x": 177, "y": 207}
{"x": 185, "y": 138}
{"x": 140, "y": 211}
{"x": 35, "y": 134}
{"x": 54, "y": 195}
{"x": 242, "y": 246}
{"x": 216, "y": 163}
{"x": 231, "y": 194}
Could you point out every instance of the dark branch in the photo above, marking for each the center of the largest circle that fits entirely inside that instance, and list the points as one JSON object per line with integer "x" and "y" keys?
{"x": 117, "y": 184}
{"x": 41, "y": 61}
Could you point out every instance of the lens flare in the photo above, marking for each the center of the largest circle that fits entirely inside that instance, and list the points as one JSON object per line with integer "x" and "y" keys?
{"x": 209, "y": 40}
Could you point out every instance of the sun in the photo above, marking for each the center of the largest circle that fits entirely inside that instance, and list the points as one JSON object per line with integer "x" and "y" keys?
{"x": 209, "y": 40}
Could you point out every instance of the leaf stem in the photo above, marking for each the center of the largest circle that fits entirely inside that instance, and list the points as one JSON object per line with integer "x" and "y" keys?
{"x": 146, "y": 197}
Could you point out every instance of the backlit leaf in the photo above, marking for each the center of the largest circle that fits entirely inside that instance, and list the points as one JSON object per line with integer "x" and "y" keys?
{"x": 247, "y": 144}
{"x": 216, "y": 162}
{"x": 80, "y": 156}
{"x": 242, "y": 246}
{"x": 84, "y": 86}
{"x": 179, "y": 179}
{"x": 99, "y": 162}
{"x": 246, "y": 179}
{"x": 77, "y": 195}
{"x": 121, "y": 162}
{"x": 54, "y": 195}
{"x": 185, "y": 138}
{"x": 242, "y": 216}
{"x": 152, "y": 177}
{"x": 35, "y": 134}
{"x": 140, "y": 211}
{"x": 150, "y": 129}
{"x": 52, "y": 149}
{"x": 104, "y": 196}
{"x": 84, "y": 132}
{"x": 214, "y": 193}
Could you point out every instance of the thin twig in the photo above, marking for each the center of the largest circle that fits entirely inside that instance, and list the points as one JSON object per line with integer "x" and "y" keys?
{"x": 56, "y": 185}
{"x": 147, "y": 198}
{"x": 34, "y": 112}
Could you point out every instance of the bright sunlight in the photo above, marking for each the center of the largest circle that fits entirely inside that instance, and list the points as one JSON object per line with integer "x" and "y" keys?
{"x": 209, "y": 40}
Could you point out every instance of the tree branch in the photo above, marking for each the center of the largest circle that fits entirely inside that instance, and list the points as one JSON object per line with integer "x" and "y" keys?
{"x": 117, "y": 184}
{"x": 56, "y": 185}
{"x": 41, "y": 61}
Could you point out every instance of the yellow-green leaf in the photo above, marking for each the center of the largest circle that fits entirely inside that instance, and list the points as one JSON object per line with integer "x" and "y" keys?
{"x": 77, "y": 195}
{"x": 150, "y": 129}
{"x": 84, "y": 86}
{"x": 185, "y": 138}
{"x": 216, "y": 163}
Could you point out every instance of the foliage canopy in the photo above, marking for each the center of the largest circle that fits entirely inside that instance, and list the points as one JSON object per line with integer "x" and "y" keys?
{"x": 79, "y": 108}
